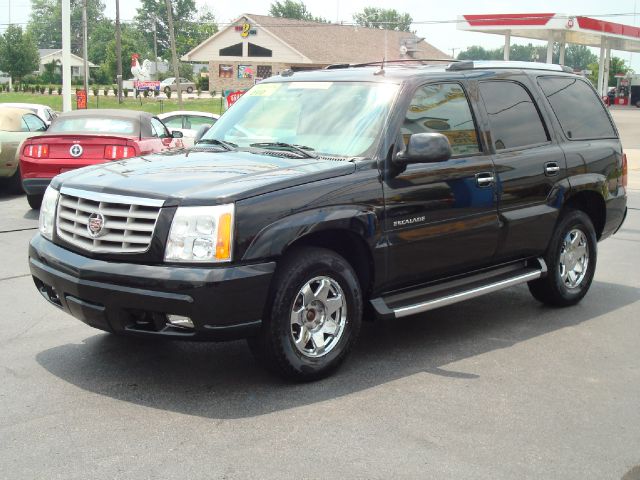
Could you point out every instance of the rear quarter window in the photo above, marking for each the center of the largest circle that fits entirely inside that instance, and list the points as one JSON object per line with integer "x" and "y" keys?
{"x": 513, "y": 116}
{"x": 581, "y": 114}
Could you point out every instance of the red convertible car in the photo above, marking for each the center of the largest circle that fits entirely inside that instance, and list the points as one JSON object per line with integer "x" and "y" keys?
{"x": 86, "y": 137}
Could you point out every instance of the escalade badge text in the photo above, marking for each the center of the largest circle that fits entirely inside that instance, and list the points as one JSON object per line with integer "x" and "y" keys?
{"x": 408, "y": 221}
{"x": 95, "y": 225}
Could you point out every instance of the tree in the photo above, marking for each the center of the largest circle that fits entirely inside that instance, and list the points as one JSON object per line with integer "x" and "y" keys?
{"x": 133, "y": 41}
{"x": 383, "y": 18}
{"x": 579, "y": 57}
{"x": 477, "y": 52}
{"x": 18, "y": 53}
{"x": 292, "y": 9}
{"x": 45, "y": 22}
{"x": 617, "y": 65}
{"x": 190, "y": 30}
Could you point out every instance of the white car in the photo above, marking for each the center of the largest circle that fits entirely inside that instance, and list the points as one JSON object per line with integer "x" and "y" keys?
{"x": 187, "y": 122}
{"x": 46, "y": 113}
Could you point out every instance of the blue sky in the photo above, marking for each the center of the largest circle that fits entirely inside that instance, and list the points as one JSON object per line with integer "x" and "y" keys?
{"x": 444, "y": 36}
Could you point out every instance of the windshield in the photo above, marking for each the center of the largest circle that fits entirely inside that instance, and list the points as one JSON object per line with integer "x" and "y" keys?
{"x": 332, "y": 118}
{"x": 94, "y": 125}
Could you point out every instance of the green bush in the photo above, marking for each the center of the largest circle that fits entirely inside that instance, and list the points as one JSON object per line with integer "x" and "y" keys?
{"x": 43, "y": 89}
{"x": 106, "y": 91}
{"x": 145, "y": 93}
{"x": 199, "y": 91}
{"x": 96, "y": 91}
{"x": 156, "y": 93}
{"x": 125, "y": 92}
{"x": 59, "y": 90}
{"x": 50, "y": 89}
{"x": 168, "y": 93}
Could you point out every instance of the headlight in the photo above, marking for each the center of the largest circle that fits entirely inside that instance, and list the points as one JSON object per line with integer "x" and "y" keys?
{"x": 201, "y": 234}
{"x": 48, "y": 212}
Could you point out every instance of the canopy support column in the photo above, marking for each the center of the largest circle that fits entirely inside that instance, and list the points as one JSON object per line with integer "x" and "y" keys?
{"x": 563, "y": 46}
{"x": 607, "y": 64}
{"x": 601, "y": 67}
{"x": 550, "y": 47}
{"x": 507, "y": 45}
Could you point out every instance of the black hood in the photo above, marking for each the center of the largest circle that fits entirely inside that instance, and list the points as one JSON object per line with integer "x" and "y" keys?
{"x": 201, "y": 177}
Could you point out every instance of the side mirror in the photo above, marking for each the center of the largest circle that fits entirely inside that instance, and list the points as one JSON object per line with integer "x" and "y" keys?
{"x": 425, "y": 148}
{"x": 176, "y": 134}
{"x": 200, "y": 133}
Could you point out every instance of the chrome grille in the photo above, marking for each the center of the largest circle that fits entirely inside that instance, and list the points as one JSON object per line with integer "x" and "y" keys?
{"x": 128, "y": 221}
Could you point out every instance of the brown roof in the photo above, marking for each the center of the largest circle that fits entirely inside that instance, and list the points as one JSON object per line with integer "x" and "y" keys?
{"x": 325, "y": 43}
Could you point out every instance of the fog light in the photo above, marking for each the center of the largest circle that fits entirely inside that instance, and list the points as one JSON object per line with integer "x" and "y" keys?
{"x": 179, "y": 321}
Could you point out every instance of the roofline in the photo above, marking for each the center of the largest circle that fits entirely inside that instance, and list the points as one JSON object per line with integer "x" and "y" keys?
{"x": 73, "y": 55}
{"x": 278, "y": 38}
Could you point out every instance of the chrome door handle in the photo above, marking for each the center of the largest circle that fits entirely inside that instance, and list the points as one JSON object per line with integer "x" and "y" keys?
{"x": 484, "y": 179}
{"x": 551, "y": 168}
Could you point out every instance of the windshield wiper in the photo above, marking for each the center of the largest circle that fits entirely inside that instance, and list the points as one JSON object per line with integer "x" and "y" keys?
{"x": 301, "y": 149}
{"x": 214, "y": 141}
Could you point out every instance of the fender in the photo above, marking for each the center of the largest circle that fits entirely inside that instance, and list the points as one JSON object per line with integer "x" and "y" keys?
{"x": 274, "y": 239}
{"x": 595, "y": 182}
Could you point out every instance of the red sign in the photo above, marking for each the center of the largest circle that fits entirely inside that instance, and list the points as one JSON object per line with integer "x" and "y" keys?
{"x": 148, "y": 85}
{"x": 81, "y": 99}
{"x": 232, "y": 97}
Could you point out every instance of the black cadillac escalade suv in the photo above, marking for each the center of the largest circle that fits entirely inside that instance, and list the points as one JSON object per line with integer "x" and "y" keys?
{"x": 324, "y": 197}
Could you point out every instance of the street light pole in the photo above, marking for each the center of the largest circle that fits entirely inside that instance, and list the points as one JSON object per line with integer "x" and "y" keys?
{"x": 174, "y": 55}
{"x": 66, "y": 55}
{"x": 85, "y": 47}
{"x": 118, "y": 52}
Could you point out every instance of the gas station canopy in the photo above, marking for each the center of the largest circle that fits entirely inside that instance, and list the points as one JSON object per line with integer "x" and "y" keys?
{"x": 564, "y": 28}
{"x": 561, "y": 28}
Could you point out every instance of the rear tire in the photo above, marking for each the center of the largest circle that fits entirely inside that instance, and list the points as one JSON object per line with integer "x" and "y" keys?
{"x": 14, "y": 185}
{"x": 314, "y": 317}
{"x": 189, "y": 89}
{"x": 571, "y": 261}
{"x": 35, "y": 201}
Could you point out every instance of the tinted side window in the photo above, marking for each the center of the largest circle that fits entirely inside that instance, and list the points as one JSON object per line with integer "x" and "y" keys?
{"x": 442, "y": 108}
{"x": 577, "y": 107}
{"x": 514, "y": 118}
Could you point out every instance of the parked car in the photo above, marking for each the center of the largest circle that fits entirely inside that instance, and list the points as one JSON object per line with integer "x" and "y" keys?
{"x": 188, "y": 122}
{"x": 169, "y": 84}
{"x": 16, "y": 125}
{"x": 45, "y": 112}
{"x": 86, "y": 137}
{"x": 322, "y": 196}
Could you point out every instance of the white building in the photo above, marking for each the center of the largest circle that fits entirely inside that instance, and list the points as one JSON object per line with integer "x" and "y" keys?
{"x": 48, "y": 55}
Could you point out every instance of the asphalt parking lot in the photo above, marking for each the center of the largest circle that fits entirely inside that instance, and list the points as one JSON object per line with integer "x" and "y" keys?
{"x": 497, "y": 387}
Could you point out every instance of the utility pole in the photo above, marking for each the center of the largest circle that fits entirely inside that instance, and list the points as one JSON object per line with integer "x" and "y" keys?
{"x": 85, "y": 40}
{"x": 453, "y": 52}
{"x": 66, "y": 55}
{"x": 118, "y": 52}
{"x": 155, "y": 44}
{"x": 174, "y": 55}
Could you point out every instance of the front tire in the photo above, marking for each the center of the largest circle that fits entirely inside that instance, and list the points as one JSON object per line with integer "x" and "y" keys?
{"x": 314, "y": 316}
{"x": 571, "y": 261}
{"x": 189, "y": 89}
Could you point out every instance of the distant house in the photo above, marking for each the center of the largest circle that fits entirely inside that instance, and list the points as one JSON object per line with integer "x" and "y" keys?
{"x": 255, "y": 47}
{"x": 48, "y": 55}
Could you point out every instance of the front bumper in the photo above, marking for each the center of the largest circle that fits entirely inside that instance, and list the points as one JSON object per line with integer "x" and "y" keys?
{"x": 223, "y": 303}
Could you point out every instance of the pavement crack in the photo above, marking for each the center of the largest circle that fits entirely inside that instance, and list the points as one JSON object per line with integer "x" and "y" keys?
{"x": 15, "y": 276}
{"x": 19, "y": 230}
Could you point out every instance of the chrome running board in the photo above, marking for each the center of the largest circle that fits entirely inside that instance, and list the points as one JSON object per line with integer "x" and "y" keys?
{"x": 434, "y": 296}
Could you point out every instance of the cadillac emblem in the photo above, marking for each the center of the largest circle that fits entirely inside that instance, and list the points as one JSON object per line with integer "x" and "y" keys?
{"x": 95, "y": 225}
{"x": 75, "y": 150}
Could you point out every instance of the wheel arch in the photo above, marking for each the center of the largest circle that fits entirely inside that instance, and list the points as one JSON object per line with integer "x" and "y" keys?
{"x": 593, "y": 204}
{"x": 345, "y": 231}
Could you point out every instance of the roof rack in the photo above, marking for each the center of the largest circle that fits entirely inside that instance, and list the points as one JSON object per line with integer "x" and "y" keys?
{"x": 479, "y": 64}
{"x": 387, "y": 62}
